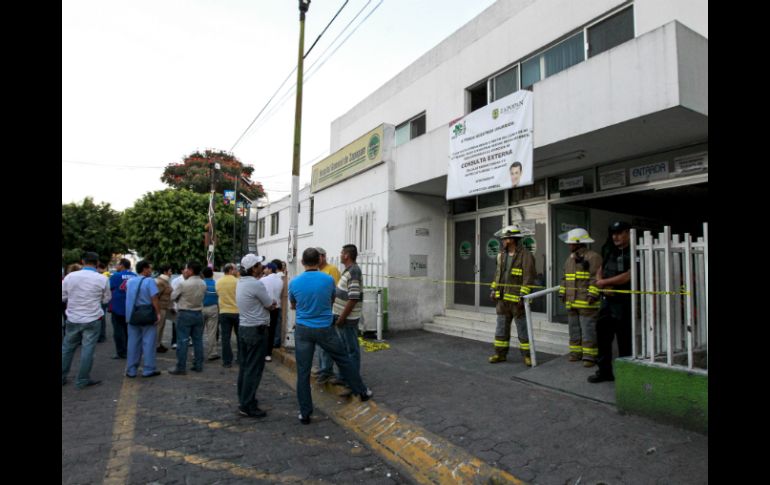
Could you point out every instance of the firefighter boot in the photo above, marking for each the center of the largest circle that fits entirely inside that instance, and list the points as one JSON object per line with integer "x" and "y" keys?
{"x": 528, "y": 361}
{"x": 498, "y": 357}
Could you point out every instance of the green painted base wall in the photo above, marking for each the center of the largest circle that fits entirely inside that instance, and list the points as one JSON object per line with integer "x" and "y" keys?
{"x": 667, "y": 395}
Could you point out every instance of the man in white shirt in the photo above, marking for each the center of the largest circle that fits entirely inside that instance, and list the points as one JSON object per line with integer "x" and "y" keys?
{"x": 84, "y": 291}
{"x": 274, "y": 285}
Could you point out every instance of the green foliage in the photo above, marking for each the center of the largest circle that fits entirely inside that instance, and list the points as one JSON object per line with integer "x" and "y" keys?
{"x": 194, "y": 174}
{"x": 168, "y": 226}
{"x": 91, "y": 227}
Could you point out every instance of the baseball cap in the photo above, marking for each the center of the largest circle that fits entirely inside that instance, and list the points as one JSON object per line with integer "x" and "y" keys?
{"x": 272, "y": 267}
{"x": 251, "y": 260}
{"x": 321, "y": 251}
{"x": 619, "y": 226}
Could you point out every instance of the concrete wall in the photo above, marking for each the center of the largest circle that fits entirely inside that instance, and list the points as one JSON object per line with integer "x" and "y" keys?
{"x": 651, "y": 14}
{"x": 413, "y": 302}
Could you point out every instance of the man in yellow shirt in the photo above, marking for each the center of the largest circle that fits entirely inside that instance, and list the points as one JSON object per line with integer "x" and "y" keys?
{"x": 228, "y": 311}
{"x": 329, "y": 269}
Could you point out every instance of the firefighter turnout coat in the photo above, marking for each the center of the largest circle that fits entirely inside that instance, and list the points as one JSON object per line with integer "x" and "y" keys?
{"x": 510, "y": 286}
{"x": 578, "y": 285}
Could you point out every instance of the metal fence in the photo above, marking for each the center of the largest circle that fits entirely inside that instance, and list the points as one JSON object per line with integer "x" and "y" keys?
{"x": 372, "y": 269}
{"x": 669, "y": 303}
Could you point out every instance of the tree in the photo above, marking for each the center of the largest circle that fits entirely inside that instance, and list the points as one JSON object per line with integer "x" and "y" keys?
{"x": 194, "y": 174}
{"x": 91, "y": 227}
{"x": 168, "y": 226}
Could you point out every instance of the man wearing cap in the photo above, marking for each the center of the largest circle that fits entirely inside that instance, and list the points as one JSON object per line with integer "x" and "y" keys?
{"x": 254, "y": 305}
{"x": 514, "y": 277}
{"x": 580, "y": 295}
{"x": 615, "y": 312}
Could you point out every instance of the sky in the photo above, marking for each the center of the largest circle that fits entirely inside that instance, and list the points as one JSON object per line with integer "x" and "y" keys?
{"x": 146, "y": 83}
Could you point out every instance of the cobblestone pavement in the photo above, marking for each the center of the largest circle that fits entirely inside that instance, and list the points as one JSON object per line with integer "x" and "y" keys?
{"x": 185, "y": 429}
{"x": 539, "y": 435}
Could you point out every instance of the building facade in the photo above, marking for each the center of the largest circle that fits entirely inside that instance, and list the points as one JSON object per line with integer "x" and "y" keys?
{"x": 620, "y": 95}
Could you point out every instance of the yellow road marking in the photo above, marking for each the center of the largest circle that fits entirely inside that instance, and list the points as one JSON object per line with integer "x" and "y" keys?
{"x": 119, "y": 464}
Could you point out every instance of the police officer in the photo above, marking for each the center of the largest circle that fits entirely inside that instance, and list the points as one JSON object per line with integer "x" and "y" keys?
{"x": 514, "y": 278}
{"x": 615, "y": 313}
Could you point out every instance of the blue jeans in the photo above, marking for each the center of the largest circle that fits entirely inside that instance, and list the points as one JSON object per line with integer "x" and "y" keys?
{"x": 252, "y": 346}
{"x": 103, "y": 326}
{"x": 228, "y": 322}
{"x": 119, "y": 334}
{"x": 328, "y": 338}
{"x": 349, "y": 335}
{"x": 141, "y": 342}
{"x": 77, "y": 333}
{"x": 189, "y": 323}
{"x": 278, "y": 330}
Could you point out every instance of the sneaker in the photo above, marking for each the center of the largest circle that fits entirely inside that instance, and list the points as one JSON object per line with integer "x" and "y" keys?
{"x": 257, "y": 413}
{"x": 304, "y": 419}
{"x": 598, "y": 377}
{"x": 174, "y": 372}
{"x": 129, "y": 375}
{"x": 497, "y": 358}
{"x": 173, "y": 346}
{"x": 161, "y": 349}
{"x": 366, "y": 395}
{"x": 152, "y": 374}
{"x": 588, "y": 363}
{"x": 268, "y": 358}
{"x": 214, "y": 357}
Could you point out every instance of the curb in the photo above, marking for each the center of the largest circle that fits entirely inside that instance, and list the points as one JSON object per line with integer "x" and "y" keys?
{"x": 424, "y": 456}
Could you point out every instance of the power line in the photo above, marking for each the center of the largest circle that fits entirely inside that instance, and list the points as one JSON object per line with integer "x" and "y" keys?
{"x": 284, "y": 81}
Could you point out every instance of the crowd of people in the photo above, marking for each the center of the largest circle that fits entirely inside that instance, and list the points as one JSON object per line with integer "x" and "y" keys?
{"x": 205, "y": 312}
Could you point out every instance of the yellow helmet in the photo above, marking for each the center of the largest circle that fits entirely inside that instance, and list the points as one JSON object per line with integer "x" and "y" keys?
{"x": 576, "y": 236}
{"x": 509, "y": 231}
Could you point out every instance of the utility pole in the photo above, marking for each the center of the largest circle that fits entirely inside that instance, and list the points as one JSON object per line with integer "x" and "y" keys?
{"x": 213, "y": 167}
{"x": 291, "y": 257}
{"x": 235, "y": 213}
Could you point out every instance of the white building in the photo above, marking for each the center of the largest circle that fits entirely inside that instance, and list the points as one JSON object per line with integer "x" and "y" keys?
{"x": 620, "y": 132}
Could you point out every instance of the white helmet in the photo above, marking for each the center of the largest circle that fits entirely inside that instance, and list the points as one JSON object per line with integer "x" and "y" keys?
{"x": 509, "y": 231}
{"x": 576, "y": 236}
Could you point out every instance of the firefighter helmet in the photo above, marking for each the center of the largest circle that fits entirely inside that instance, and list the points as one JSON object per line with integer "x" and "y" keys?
{"x": 509, "y": 231}
{"x": 576, "y": 236}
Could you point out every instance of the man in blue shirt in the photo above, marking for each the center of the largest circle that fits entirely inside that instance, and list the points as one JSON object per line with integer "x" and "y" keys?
{"x": 311, "y": 294}
{"x": 141, "y": 339}
{"x": 119, "y": 330}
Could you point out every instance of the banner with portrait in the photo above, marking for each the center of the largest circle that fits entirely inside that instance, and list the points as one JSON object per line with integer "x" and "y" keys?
{"x": 491, "y": 148}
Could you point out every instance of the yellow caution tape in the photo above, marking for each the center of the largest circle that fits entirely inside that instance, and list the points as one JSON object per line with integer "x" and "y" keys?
{"x": 370, "y": 346}
{"x": 682, "y": 291}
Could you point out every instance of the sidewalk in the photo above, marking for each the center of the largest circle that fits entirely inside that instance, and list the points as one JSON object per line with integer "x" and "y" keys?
{"x": 544, "y": 425}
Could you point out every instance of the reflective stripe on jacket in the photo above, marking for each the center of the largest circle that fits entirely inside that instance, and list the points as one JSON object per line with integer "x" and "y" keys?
{"x": 517, "y": 283}
{"x": 578, "y": 286}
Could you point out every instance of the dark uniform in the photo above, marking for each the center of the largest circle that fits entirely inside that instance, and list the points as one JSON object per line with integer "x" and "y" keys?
{"x": 615, "y": 313}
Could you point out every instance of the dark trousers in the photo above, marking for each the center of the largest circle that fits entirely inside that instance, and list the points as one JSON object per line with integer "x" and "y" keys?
{"x": 120, "y": 334}
{"x": 228, "y": 323}
{"x": 252, "y": 345}
{"x": 614, "y": 320}
{"x": 274, "y": 316}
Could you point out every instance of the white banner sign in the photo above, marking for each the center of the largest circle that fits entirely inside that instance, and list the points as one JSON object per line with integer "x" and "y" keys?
{"x": 491, "y": 148}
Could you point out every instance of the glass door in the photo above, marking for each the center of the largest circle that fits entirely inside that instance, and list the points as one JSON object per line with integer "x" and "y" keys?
{"x": 475, "y": 259}
{"x": 566, "y": 217}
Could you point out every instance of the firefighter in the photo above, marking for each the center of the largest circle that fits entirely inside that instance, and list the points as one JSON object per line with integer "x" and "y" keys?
{"x": 514, "y": 277}
{"x": 580, "y": 295}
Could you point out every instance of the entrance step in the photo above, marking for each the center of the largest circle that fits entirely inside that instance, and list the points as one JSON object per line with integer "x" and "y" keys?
{"x": 549, "y": 338}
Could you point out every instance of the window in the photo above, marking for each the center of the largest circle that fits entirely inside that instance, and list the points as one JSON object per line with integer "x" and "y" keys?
{"x": 359, "y": 225}
{"x": 261, "y": 226}
{"x": 478, "y": 96}
{"x": 530, "y": 72}
{"x": 312, "y": 209}
{"x": 274, "y": 223}
{"x": 611, "y": 32}
{"x": 528, "y": 193}
{"x": 563, "y": 55}
{"x": 410, "y": 130}
{"x": 505, "y": 83}
{"x": 491, "y": 199}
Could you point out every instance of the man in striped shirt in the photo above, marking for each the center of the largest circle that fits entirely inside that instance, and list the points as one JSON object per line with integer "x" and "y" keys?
{"x": 347, "y": 312}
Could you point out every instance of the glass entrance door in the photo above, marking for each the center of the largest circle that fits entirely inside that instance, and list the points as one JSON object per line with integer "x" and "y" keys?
{"x": 566, "y": 217}
{"x": 475, "y": 258}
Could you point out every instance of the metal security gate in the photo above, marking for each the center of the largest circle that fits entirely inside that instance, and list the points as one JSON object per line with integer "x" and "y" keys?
{"x": 669, "y": 304}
